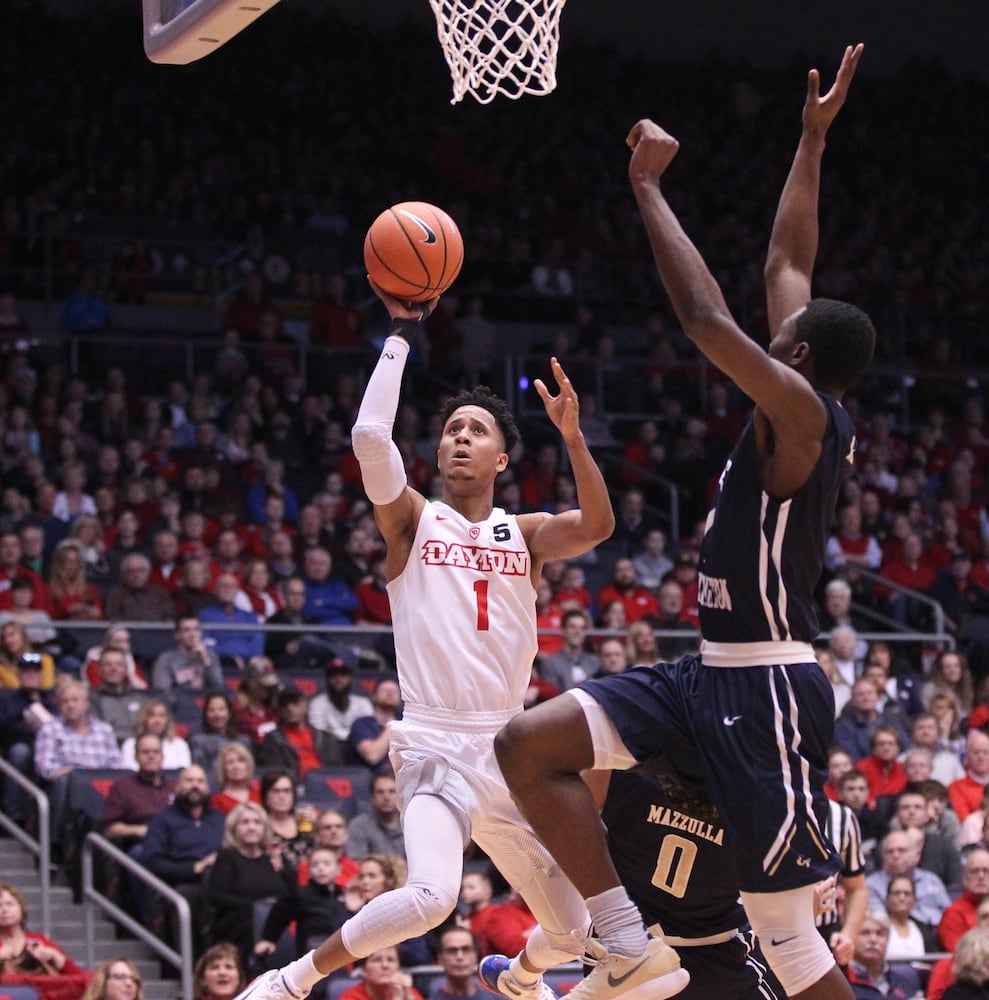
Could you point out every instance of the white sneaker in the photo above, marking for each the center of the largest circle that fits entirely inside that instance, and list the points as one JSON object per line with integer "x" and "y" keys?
{"x": 613, "y": 975}
{"x": 271, "y": 986}
{"x": 494, "y": 973}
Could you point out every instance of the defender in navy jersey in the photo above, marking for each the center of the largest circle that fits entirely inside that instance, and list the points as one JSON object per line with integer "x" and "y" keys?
{"x": 751, "y": 716}
{"x": 671, "y": 854}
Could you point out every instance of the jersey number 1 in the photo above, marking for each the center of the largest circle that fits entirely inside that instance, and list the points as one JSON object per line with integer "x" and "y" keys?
{"x": 481, "y": 590}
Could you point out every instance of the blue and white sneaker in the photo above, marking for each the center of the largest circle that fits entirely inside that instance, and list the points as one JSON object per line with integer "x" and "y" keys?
{"x": 271, "y": 986}
{"x": 495, "y": 974}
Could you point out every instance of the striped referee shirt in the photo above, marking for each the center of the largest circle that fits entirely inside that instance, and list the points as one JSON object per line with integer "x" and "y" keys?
{"x": 842, "y": 828}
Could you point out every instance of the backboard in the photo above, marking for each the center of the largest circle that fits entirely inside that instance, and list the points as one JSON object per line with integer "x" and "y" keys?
{"x": 182, "y": 31}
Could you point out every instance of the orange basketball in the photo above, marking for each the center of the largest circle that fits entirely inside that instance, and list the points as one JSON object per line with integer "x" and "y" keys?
{"x": 414, "y": 251}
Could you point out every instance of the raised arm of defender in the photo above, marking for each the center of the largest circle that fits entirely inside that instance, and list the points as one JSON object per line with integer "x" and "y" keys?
{"x": 793, "y": 244}
{"x": 781, "y": 393}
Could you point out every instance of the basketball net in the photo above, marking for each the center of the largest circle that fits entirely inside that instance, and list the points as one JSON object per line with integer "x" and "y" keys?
{"x": 499, "y": 46}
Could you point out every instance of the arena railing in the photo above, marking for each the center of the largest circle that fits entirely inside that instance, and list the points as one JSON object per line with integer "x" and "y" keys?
{"x": 916, "y": 596}
{"x": 361, "y": 637}
{"x": 40, "y": 846}
{"x": 94, "y": 900}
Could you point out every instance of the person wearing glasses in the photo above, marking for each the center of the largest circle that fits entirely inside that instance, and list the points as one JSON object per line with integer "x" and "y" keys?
{"x": 278, "y": 797}
{"x": 117, "y": 979}
{"x": 457, "y": 954}
{"x": 962, "y": 914}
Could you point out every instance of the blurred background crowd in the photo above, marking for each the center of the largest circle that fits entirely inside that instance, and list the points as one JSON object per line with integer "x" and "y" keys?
{"x": 185, "y": 329}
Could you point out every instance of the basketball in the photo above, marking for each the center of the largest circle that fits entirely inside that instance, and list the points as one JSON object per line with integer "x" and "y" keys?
{"x": 414, "y": 251}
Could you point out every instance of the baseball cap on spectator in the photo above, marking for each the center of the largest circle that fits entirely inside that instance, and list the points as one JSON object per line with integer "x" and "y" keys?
{"x": 289, "y": 695}
{"x": 29, "y": 661}
{"x": 259, "y": 668}
{"x": 340, "y": 659}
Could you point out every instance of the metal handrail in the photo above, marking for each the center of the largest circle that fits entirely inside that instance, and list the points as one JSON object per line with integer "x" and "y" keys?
{"x": 40, "y": 847}
{"x": 937, "y": 637}
{"x": 914, "y": 595}
{"x": 94, "y": 899}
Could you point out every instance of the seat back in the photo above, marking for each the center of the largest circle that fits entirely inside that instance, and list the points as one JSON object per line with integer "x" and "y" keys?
{"x": 285, "y": 945}
{"x": 18, "y": 993}
{"x": 344, "y": 789}
{"x": 187, "y": 709}
{"x": 309, "y": 682}
{"x": 336, "y": 987}
{"x": 88, "y": 789}
{"x": 562, "y": 981}
{"x": 365, "y": 681}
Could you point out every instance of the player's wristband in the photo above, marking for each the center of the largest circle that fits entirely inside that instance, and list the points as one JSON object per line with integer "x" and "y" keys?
{"x": 404, "y": 328}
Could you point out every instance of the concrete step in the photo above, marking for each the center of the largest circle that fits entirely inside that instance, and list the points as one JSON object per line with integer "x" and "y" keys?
{"x": 60, "y": 896}
{"x": 66, "y": 924}
{"x": 102, "y": 950}
{"x": 150, "y": 968}
{"x": 161, "y": 989}
{"x": 9, "y": 846}
{"x": 20, "y": 869}
{"x": 77, "y": 937}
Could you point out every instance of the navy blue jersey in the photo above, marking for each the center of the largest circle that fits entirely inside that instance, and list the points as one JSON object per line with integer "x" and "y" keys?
{"x": 761, "y": 557}
{"x": 675, "y": 865}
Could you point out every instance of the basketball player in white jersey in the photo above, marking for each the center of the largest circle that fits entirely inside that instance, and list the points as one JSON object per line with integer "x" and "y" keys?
{"x": 461, "y": 583}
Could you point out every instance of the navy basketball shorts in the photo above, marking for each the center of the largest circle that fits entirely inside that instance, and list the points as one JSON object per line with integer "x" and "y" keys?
{"x": 756, "y": 738}
{"x": 735, "y": 970}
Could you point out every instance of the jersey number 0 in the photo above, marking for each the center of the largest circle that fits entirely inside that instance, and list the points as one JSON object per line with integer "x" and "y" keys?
{"x": 674, "y": 865}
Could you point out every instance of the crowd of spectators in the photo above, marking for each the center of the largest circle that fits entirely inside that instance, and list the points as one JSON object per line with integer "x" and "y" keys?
{"x": 231, "y": 501}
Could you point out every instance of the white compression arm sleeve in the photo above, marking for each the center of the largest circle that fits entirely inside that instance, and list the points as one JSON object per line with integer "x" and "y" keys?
{"x": 382, "y": 468}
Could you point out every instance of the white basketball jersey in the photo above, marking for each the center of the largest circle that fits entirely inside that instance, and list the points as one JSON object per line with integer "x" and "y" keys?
{"x": 464, "y": 613}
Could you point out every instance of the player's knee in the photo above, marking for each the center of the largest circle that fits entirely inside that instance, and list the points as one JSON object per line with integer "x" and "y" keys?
{"x": 510, "y": 747}
{"x": 547, "y": 742}
{"x": 794, "y": 948}
{"x": 433, "y": 904}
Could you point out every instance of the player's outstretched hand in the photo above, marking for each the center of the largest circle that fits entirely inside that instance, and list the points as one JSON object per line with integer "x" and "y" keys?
{"x": 653, "y": 149}
{"x": 401, "y": 309}
{"x": 820, "y": 112}
{"x": 564, "y": 408}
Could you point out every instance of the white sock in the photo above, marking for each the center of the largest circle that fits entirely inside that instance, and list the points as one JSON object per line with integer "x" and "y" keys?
{"x": 617, "y": 922}
{"x": 302, "y": 973}
{"x": 521, "y": 974}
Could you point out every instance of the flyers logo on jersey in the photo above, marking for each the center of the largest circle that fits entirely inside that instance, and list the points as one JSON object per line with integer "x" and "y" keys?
{"x": 436, "y": 553}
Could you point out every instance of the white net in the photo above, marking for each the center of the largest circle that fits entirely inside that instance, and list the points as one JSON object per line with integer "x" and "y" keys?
{"x": 499, "y": 46}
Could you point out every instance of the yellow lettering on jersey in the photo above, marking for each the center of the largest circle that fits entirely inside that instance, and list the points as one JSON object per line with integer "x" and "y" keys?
{"x": 712, "y": 592}
{"x": 664, "y": 816}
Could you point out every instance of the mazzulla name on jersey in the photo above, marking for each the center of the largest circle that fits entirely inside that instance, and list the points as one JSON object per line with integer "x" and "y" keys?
{"x": 665, "y": 816}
